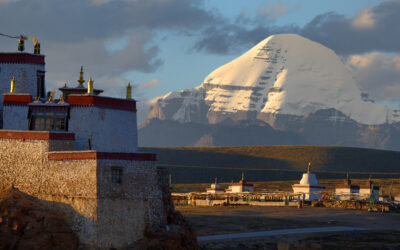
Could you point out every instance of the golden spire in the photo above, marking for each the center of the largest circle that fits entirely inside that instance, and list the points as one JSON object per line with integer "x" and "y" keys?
{"x": 309, "y": 167}
{"x": 129, "y": 91}
{"x": 13, "y": 85}
{"x": 90, "y": 86}
{"x": 81, "y": 81}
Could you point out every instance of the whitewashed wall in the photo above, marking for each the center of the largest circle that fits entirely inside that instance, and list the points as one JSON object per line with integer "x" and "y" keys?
{"x": 109, "y": 130}
{"x": 15, "y": 117}
{"x": 25, "y": 77}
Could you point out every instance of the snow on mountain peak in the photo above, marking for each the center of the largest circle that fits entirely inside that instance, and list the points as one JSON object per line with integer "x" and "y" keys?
{"x": 290, "y": 74}
{"x": 283, "y": 74}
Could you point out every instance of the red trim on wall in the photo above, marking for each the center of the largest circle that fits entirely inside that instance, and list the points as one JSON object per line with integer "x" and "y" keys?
{"x": 21, "y": 58}
{"x": 348, "y": 186}
{"x": 35, "y": 135}
{"x": 93, "y": 155}
{"x": 306, "y": 186}
{"x": 83, "y": 155}
{"x": 16, "y": 99}
{"x": 100, "y": 101}
{"x": 238, "y": 184}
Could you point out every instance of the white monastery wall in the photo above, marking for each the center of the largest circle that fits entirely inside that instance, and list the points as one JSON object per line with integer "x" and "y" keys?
{"x": 25, "y": 77}
{"x": 15, "y": 117}
{"x": 109, "y": 130}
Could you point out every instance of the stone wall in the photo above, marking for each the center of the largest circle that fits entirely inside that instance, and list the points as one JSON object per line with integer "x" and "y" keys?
{"x": 109, "y": 130}
{"x": 125, "y": 209}
{"x": 69, "y": 189}
{"x": 21, "y": 164}
{"x": 77, "y": 185}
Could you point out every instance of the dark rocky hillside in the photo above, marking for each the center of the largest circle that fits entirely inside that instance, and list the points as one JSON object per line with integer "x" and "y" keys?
{"x": 265, "y": 163}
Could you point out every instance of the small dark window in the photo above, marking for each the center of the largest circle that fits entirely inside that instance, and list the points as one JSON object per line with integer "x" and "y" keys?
{"x": 40, "y": 88}
{"x": 116, "y": 175}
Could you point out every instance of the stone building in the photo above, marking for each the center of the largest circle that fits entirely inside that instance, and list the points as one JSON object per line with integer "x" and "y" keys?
{"x": 308, "y": 186}
{"x": 27, "y": 69}
{"x": 369, "y": 190}
{"x": 215, "y": 188}
{"x": 347, "y": 191}
{"x": 77, "y": 155}
{"x": 241, "y": 187}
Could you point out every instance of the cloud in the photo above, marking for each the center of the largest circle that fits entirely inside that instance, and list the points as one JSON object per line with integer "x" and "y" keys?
{"x": 150, "y": 84}
{"x": 364, "y": 20}
{"x": 373, "y": 29}
{"x": 272, "y": 11}
{"x": 108, "y": 37}
{"x": 378, "y": 74}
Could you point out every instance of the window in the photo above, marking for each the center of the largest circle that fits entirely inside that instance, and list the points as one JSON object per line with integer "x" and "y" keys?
{"x": 116, "y": 175}
{"x": 40, "y": 88}
{"x": 48, "y": 123}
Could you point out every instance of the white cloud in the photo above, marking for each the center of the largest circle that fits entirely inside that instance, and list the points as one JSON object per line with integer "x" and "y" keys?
{"x": 378, "y": 74}
{"x": 150, "y": 84}
{"x": 364, "y": 20}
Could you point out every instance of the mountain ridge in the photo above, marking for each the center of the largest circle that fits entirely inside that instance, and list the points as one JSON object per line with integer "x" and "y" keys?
{"x": 289, "y": 82}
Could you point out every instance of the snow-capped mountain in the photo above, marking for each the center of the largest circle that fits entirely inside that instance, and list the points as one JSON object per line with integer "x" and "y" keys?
{"x": 284, "y": 74}
{"x": 288, "y": 82}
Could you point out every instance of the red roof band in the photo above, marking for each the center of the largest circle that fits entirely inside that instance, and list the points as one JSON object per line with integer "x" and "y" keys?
{"x": 76, "y": 100}
{"x": 35, "y": 135}
{"x": 17, "y": 99}
{"x": 104, "y": 102}
{"x": 23, "y": 58}
{"x": 93, "y": 155}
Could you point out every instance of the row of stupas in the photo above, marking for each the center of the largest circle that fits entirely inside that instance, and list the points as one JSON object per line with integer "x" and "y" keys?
{"x": 311, "y": 190}
{"x": 308, "y": 188}
{"x": 241, "y": 187}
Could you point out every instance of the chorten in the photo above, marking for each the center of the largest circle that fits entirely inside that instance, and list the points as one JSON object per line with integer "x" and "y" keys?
{"x": 215, "y": 188}
{"x": 308, "y": 186}
{"x": 241, "y": 187}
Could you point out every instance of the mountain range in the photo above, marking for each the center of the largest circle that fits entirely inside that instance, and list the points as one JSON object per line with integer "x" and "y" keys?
{"x": 286, "y": 90}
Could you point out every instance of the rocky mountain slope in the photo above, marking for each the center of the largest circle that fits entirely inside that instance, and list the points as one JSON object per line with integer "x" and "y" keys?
{"x": 287, "y": 83}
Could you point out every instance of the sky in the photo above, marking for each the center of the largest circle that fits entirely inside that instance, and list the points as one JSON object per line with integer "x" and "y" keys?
{"x": 168, "y": 45}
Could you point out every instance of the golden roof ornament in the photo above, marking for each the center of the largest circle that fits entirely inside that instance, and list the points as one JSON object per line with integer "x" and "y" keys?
{"x": 129, "y": 91}
{"x": 13, "y": 85}
{"x": 81, "y": 81}
{"x": 309, "y": 167}
{"x": 90, "y": 86}
{"x": 61, "y": 100}
{"x": 51, "y": 97}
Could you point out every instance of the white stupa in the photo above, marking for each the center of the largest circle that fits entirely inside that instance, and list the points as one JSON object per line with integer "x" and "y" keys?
{"x": 308, "y": 186}
{"x": 215, "y": 188}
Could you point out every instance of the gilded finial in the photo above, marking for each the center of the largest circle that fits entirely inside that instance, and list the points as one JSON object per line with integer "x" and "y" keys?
{"x": 309, "y": 167}
{"x": 129, "y": 91}
{"x": 216, "y": 180}
{"x": 90, "y": 86}
{"x": 242, "y": 176}
{"x": 36, "y": 48}
{"x": 51, "y": 97}
{"x": 81, "y": 81}
{"x": 21, "y": 45}
{"x": 61, "y": 100}
{"x": 13, "y": 85}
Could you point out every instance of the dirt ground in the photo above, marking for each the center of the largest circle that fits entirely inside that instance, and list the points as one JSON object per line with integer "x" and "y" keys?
{"x": 220, "y": 220}
{"x": 236, "y": 219}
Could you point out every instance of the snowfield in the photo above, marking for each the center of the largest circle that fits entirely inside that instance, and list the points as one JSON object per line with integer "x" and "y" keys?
{"x": 283, "y": 74}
